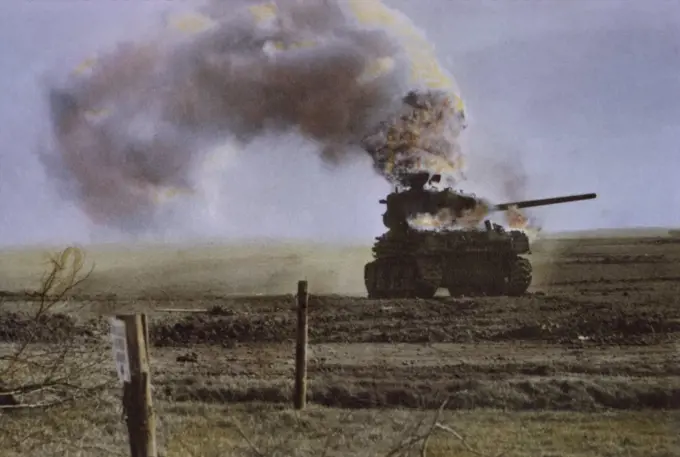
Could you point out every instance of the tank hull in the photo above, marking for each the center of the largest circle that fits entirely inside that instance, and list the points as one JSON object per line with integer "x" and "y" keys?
{"x": 480, "y": 263}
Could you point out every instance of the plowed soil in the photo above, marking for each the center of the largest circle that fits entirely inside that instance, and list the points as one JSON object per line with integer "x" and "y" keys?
{"x": 599, "y": 329}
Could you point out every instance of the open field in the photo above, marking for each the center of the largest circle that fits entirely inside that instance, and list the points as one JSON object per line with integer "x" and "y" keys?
{"x": 586, "y": 364}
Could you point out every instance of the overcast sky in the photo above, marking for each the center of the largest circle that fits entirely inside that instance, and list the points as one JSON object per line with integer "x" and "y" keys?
{"x": 578, "y": 96}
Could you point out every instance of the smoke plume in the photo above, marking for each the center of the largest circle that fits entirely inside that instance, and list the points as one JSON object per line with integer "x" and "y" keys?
{"x": 137, "y": 124}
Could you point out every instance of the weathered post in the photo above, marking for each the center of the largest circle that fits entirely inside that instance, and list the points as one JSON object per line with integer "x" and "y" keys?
{"x": 137, "y": 404}
{"x": 300, "y": 395}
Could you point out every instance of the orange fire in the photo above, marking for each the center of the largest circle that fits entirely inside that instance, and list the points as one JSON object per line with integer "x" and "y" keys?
{"x": 516, "y": 219}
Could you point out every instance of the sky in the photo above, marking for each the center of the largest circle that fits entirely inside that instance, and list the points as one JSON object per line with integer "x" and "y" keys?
{"x": 562, "y": 97}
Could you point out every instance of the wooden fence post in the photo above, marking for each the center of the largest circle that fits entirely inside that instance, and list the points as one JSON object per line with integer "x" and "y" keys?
{"x": 137, "y": 404}
{"x": 300, "y": 396}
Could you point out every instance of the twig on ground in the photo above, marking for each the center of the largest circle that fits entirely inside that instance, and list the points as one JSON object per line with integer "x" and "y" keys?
{"x": 44, "y": 405}
{"x": 414, "y": 438}
{"x": 435, "y": 421}
{"x": 464, "y": 442}
{"x": 424, "y": 438}
{"x": 79, "y": 392}
{"x": 246, "y": 439}
{"x": 459, "y": 437}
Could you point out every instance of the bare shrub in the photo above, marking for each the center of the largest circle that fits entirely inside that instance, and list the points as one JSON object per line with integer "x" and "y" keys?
{"x": 45, "y": 360}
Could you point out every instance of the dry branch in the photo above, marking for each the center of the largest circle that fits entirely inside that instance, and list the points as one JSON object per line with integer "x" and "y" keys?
{"x": 246, "y": 439}
{"x": 414, "y": 438}
{"x": 31, "y": 370}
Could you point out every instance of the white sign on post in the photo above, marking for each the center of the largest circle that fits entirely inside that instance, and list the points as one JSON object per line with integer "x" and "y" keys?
{"x": 120, "y": 350}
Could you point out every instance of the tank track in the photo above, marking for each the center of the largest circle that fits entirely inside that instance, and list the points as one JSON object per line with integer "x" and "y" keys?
{"x": 392, "y": 278}
{"x": 408, "y": 278}
{"x": 519, "y": 277}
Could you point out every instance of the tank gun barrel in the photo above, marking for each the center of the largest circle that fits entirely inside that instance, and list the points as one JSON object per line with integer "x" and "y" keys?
{"x": 544, "y": 201}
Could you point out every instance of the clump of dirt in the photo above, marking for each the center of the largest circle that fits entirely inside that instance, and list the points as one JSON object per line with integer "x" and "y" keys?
{"x": 352, "y": 320}
{"x": 46, "y": 328}
{"x": 625, "y": 326}
{"x": 218, "y": 310}
{"x": 617, "y": 259}
{"x": 221, "y": 330}
{"x": 326, "y": 326}
{"x": 518, "y": 395}
{"x": 598, "y": 326}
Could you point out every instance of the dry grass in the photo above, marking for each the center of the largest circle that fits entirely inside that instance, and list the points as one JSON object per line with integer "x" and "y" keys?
{"x": 182, "y": 272}
{"x": 155, "y": 277}
{"x": 178, "y": 271}
{"x": 198, "y": 430}
{"x": 377, "y": 433}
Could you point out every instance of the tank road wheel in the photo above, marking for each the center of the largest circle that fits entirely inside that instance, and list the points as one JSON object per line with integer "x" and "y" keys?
{"x": 458, "y": 291}
{"x": 371, "y": 272}
{"x": 386, "y": 279}
{"x": 395, "y": 279}
{"x": 427, "y": 275}
{"x": 454, "y": 292}
{"x": 519, "y": 277}
{"x": 497, "y": 283}
{"x": 402, "y": 279}
{"x": 424, "y": 290}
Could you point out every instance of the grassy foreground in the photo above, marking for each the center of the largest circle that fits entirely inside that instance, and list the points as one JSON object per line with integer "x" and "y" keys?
{"x": 588, "y": 280}
{"x": 396, "y": 432}
{"x": 267, "y": 430}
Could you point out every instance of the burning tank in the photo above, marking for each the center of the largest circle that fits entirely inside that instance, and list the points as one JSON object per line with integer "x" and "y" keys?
{"x": 488, "y": 260}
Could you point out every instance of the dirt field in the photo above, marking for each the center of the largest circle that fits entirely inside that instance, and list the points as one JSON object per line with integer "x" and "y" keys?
{"x": 598, "y": 332}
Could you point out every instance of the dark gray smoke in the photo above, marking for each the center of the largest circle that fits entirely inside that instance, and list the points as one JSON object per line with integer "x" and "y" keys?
{"x": 137, "y": 125}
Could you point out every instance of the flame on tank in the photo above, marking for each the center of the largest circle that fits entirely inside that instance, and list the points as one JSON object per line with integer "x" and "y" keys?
{"x": 516, "y": 219}
{"x": 445, "y": 219}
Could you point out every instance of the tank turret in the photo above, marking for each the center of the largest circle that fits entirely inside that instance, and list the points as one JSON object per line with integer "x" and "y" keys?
{"x": 485, "y": 260}
{"x": 414, "y": 199}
